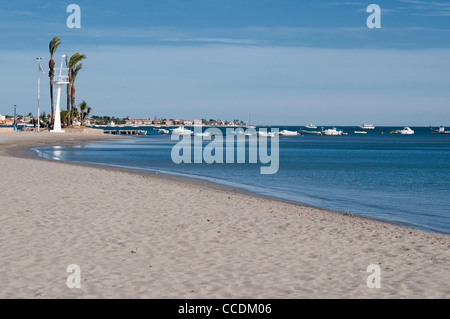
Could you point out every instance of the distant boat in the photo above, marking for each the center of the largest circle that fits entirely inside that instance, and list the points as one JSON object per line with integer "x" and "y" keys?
{"x": 332, "y": 131}
{"x": 25, "y": 125}
{"x": 405, "y": 131}
{"x": 310, "y": 132}
{"x": 181, "y": 131}
{"x": 441, "y": 130}
{"x": 311, "y": 126}
{"x": 162, "y": 131}
{"x": 367, "y": 127}
{"x": 242, "y": 133}
{"x": 204, "y": 134}
{"x": 360, "y": 132}
{"x": 266, "y": 134}
{"x": 249, "y": 126}
{"x": 287, "y": 133}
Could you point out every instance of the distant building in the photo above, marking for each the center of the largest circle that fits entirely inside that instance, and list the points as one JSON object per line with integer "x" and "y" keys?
{"x": 2, "y": 118}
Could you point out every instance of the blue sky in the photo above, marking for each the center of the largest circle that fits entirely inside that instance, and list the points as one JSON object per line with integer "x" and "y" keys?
{"x": 282, "y": 61}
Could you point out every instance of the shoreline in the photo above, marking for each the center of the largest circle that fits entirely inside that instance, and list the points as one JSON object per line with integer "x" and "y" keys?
{"x": 139, "y": 235}
{"x": 26, "y": 151}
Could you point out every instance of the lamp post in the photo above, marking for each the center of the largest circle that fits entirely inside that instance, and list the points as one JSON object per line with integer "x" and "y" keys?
{"x": 15, "y": 126}
{"x": 40, "y": 69}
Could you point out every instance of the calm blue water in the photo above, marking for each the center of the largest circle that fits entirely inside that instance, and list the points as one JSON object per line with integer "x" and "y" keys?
{"x": 403, "y": 179}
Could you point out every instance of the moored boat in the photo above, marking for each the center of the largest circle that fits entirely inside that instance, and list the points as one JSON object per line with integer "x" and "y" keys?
{"x": 332, "y": 131}
{"x": 441, "y": 130}
{"x": 367, "y": 127}
{"x": 266, "y": 134}
{"x": 287, "y": 133}
{"x": 202, "y": 134}
{"x": 181, "y": 131}
{"x": 405, "y": 131}
{"x": 162, "y": 131}
{"x": 310, "y": 132}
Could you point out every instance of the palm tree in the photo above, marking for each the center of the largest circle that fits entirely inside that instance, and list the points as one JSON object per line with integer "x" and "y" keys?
{"x": 64, "y": 115}
{"x": 53, "y": 45}
{"x": 75, "y": 113}
{"x": 85, "y": 110}
{"x": 72, "y": 65}
{"x": 74, "y": 73}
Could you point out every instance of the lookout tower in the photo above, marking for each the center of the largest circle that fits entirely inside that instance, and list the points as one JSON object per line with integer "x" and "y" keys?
{"x": 61, "y": 78}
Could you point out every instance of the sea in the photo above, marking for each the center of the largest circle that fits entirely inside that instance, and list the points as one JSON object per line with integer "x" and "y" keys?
{"x": 402, "y": 179}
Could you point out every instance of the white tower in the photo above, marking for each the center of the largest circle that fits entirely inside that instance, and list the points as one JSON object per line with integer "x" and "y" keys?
{"x": 59, "y": 80}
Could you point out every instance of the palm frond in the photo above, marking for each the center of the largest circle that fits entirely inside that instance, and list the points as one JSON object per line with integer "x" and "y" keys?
{"x": 53, "y": 45}
{"x": 74, "y": 59}
{"x": 74, "y": 71}
{"x": 83, "y": 105}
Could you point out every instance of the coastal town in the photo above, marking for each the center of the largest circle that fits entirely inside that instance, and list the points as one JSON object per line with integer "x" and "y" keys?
{"x": 29, "y": 121}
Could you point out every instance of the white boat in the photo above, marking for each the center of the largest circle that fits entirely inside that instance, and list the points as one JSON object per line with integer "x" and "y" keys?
{"x": 181, "y": 131}
{"x": 242, "y": 133}
{"x": 204, "y": 134}
{"x": 25, "y": 125}
{"x": 367, "y": 127}
{"x": 287, "y": 133}
{"x": 248, "y": 124}
{"x": 332, "y": 131}
{"x": 406, "y": 131}
{"x": 266, "y": 134}
{"x": 162, "y": 131}
{"x": 441, "y": 130}
{"x": 360, "y": 132}
{"x": 311, "y": 126}
{"x": 310, "y": 132}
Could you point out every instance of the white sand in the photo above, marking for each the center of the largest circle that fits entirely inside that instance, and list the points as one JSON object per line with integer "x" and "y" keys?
{"x": 144, "y": 237}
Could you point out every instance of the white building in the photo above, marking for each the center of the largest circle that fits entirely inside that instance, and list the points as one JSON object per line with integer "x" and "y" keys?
{"x": 2, "y": 118}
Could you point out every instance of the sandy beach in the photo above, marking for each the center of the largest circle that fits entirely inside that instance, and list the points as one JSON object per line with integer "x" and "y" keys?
{"x": 137, "y": 235}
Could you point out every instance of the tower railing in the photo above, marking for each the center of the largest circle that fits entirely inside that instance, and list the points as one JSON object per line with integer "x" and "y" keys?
{"x": 61, "y": 76}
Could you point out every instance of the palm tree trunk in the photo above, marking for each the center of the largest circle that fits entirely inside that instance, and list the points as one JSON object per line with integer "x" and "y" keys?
{"x": 72, "y": 96}
{"x": 51, "y": 98}
{"x": 68, "y": 103}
